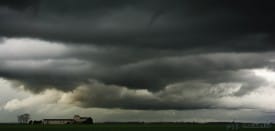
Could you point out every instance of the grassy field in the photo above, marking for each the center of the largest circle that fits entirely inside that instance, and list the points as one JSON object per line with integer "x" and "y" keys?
{"x": 122, "y": 127}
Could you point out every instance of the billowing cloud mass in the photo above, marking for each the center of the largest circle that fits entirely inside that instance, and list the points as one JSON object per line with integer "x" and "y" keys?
{"x": 141, "y": 55}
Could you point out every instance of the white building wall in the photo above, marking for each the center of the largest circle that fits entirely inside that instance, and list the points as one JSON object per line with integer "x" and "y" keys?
{"x": 57, "y": 122}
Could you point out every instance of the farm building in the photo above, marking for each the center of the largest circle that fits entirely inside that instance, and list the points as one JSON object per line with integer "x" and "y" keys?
{"x": 76, "y": 120}
{"x": 57, "y": 121}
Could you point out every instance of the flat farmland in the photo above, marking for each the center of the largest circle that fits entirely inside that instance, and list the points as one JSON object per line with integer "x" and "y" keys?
{"x": 126, "y": 127}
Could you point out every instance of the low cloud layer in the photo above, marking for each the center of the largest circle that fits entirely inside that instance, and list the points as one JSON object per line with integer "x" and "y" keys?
{"x": 179, "y": 96}
{"x": 68, "y": 67}
{"x": 57, "y": 107}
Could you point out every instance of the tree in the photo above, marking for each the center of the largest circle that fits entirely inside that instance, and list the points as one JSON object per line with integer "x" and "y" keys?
{"x": 24, "y": 118}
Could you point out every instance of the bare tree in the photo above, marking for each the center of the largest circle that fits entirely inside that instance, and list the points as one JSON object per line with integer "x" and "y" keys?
{"x": 24, "y": 118}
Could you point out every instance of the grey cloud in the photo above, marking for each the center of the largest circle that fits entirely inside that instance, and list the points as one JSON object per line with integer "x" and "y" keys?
{"x": 179, "y": 96}
{"x": 137, "y": 45}
{"x": 151, "y": 69}
{"x": 178, "y": 25}
{"x": 19, "y": 49}
{"x": 19, "y": 5}
{"x": 156, "y": 73}
{"x": 94, "y": 95}
{"x": 176, "y": 95}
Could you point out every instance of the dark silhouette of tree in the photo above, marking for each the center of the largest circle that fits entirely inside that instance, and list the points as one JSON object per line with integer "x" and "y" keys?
{"x": 24, "y": 118}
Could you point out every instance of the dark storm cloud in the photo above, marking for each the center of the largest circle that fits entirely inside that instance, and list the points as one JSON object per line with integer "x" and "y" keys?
{"x": 172, "y": 24}
{"x": 136, "y": 70}
{"x": 137, "y": 45}
{"x": 19, "y": 4}
{"x": 156, "y": 73}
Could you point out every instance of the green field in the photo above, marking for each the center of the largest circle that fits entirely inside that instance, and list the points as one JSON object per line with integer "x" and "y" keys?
{"x": 122, "y": 127}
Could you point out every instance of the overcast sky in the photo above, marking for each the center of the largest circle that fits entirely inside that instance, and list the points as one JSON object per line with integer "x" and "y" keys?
{"x": 138, "y": 60}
